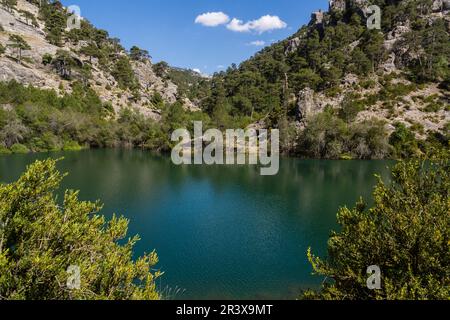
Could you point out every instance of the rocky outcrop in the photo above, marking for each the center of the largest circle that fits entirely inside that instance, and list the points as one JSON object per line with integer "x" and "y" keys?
{"x": 293, "y": 45}
{"x": 337, "y": 5}
{"x": 14, "y": 71}
{"x": 389, "y": 65}
{"x": 317, "y": 17}
{"x": 306, "y": 104}
{"x": 33, "y": 72}
{"x": 440, "y": 5}
{"x": 150, "y": 82}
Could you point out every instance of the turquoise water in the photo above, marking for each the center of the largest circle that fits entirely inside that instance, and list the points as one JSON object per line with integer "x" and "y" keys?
{"x": 220, "y": 231}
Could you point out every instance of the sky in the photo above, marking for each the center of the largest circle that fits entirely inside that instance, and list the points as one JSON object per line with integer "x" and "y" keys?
{"x": 203, "y": 35}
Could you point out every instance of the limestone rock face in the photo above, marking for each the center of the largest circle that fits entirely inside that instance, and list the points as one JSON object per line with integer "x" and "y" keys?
{"x": 389, "y": 65}
{"x": 317, "y": 17}
{"x": 337, "y": 5}
{"x": 149, "y": 81}
{"x": 14, "y": 71}
{"x": 33, "y": 72}
{"x": 350, "y": 80}
{"x": 306, "y": 105}
{"x": 293, "y": 45}
{"x": 441, "y": 5}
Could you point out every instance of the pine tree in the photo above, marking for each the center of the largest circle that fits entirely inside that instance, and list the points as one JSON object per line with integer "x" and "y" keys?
{"x": 18, "y": 43}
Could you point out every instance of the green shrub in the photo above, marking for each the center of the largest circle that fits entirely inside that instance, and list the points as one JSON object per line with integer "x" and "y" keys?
{"x": 350, "y": 108}
{"x": 19, "y": 148}
{"x": 434, "y": 106}
{"x": 41, "y": 237}
{"x": 405, "y": 233}
{"x": 72, "y": 146}
{"x": 47, "y": 142}
{"x": 47, "y": 59}
{"x": 404, "y": 142}
{"x": 4, "y": 150}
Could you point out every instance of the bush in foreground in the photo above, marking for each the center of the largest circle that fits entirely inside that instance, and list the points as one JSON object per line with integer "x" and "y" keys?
{"x": 406, "y": 233}
{"x": 40, "y": 239}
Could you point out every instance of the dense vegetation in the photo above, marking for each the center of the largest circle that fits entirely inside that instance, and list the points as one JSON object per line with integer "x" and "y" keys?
{"x": 41, "y": 238}
{"x": 262, "y": 89}
{"x": 321, "y": 59}
{"x": 406, "y": 233}
{"x": 41, "y": 120}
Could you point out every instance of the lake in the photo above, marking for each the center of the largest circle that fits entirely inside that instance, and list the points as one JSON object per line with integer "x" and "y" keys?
{"x": 221, "y": 232}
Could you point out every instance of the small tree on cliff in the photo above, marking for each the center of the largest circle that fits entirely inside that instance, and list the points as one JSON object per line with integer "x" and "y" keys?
{"x": 406, "y": 234}
{"x": 42, "y": 239}
{"x": 18, "y": 43}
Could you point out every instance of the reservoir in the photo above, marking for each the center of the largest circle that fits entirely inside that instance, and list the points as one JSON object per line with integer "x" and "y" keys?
{"x": 221, "y": 232}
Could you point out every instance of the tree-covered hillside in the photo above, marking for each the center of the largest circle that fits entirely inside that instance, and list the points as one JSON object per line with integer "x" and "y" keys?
{"x": 337, "y": 59}
{"x": 335, "y": 89}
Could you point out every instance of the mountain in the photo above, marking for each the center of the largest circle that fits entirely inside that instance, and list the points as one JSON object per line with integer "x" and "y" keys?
{"x": 70, "y": 88}
{"x": 339, "y": 89}
{"x": 120, "y": 78}
{"x": 335, "y": 89}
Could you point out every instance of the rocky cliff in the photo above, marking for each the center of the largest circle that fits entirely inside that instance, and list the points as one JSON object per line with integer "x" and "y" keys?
{"x": 32, "y": 70}
{"x": 412, "y": 108}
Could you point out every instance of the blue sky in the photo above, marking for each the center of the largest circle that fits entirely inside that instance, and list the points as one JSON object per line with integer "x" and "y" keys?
{"x": 167, "y": 28}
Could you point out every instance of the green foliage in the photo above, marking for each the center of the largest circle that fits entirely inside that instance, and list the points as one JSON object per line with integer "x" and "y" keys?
{"x": 350, "y": 108}
{"x": 328, "y": 136}
{"x": 63, "y": 63}
{"x": 72, "y": 146}
{"x": 406, "y": 233}
{"x": 157, "y": 101}
{"x": 40, "y": 238}
{"x": 19, "y": 148}
{"x": 320, "y": 56}
{"x": 92, "y": 51}
{"x": 4, "y": 150}
{"x": 124, "y": 74}
{"x": 43, "y": 121}
{"x": 190, "y": 84}
{"x": 55, "y": 19}
{"x": 138, "y": 54}
{"x": 404, "y": 142}
{"x": 2, "y": 49}
{"x": 47, "y": 59}
{"x": 161, "y": 69}
{"x": 429, "y": 45}
{"x": 19, "y": 44}
{"x": 29, "y": 18}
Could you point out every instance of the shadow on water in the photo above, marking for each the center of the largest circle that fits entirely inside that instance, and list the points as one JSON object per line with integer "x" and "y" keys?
{"x": 220, "y": 231}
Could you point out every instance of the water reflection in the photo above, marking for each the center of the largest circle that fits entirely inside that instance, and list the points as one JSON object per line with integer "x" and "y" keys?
{"x": 220, "y": 231}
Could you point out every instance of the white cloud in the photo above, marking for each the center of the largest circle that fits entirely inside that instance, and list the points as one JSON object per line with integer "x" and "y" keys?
{"x": 220, "y": 66}
{"x": 212, "y": 19}
{"x": 197, "y": 70}
{"x": 257, "y": 43}
{"x": 261, "y": 25}
{"x": 238, "y": 26}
